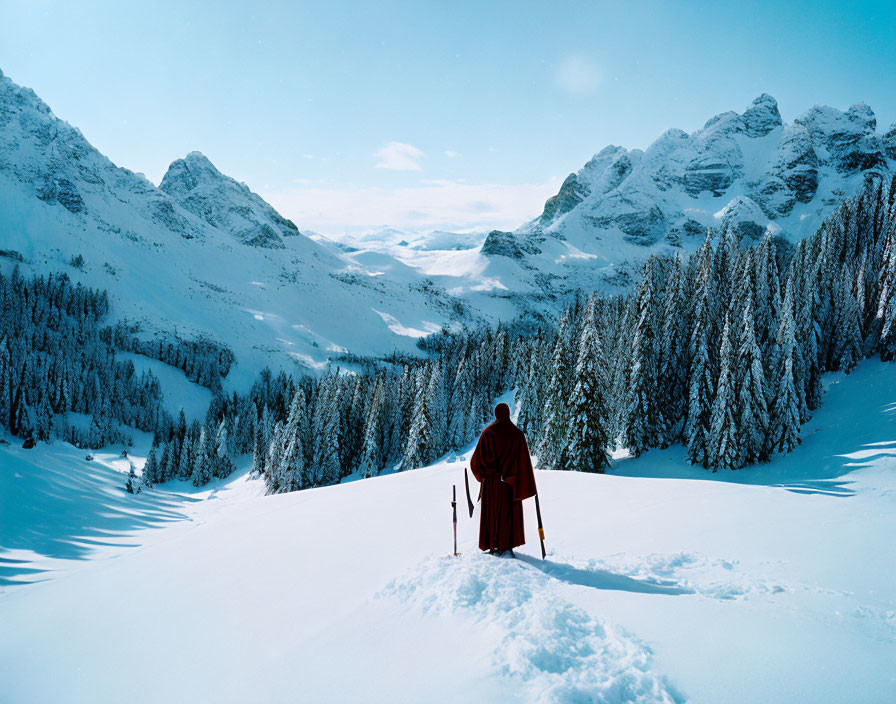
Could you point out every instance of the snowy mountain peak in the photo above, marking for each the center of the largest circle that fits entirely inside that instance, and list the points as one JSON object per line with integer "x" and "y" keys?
{"x": 762, "y": 116}
{"x": 888, "y": 141}
{"x": 201, "y": 257}
{"x": 221, "y": 201}
{"x": 749, "y": 171}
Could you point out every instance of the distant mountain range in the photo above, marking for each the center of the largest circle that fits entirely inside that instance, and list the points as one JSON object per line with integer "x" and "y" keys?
{"x": 750, "y": 172}
{"x": 201, "y": 255}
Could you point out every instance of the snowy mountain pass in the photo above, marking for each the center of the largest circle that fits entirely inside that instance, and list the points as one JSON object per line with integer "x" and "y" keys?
{"x": 662, "y": 582}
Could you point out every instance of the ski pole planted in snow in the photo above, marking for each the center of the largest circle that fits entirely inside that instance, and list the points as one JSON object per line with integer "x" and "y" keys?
{"x": 540, "y": 526}
{"x": 454, "y": 514}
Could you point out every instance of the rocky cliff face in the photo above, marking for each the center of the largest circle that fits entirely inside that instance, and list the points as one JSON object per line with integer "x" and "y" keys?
{"x": 219, "y": 200}
{"x": 748, "y": 171}
{"x": 55, "y": 163}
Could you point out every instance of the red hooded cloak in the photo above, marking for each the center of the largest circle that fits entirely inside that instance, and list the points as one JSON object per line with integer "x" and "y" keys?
{"x": 502, "y": 464}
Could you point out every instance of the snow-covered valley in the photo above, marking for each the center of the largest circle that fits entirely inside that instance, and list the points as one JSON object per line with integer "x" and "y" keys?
{"x": 663, "y": 582}
{"x": 202, "y": 256}
{"x": 254, "y": 371}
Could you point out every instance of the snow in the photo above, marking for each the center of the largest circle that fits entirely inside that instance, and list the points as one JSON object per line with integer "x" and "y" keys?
{"x": 179, "y": 274}
{"x": 663, "y": 582}
{"x": 399, "y": 329}
{"x": 179, "y": 259}
{"x": 180, "y": 392}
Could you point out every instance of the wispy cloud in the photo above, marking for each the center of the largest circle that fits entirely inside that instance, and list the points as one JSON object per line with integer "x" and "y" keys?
{"x": 399, "y": 156}
{"x": 451, "y": 154}
{"x": 441, "y": 204}
{"x": 578, "y": 75}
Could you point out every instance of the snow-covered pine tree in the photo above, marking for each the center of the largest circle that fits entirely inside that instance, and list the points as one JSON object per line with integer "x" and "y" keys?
{"x": 672, "y": 376}
{"x": 186, "y": 460}
{"x": 150, "y": 468}
{"x": 556, "y": 410}
{"x": 325, "y": 425}
{"x": 420, "y": 439}
{"x": 808, "y": 328}
{"x": 700, "y": 383}
{"x": 132, "y": 486}
{"x": 438, "y": 411}
{"x": 202, "y": 466}
{"x": 223, "y": 466}
{"x": 290, "y": 473}
{"x": 526, "y": 400}
{"x": 458, "y": 408}
{"x": 785, "y": 421}
{"x": 372, "y": 458}
{"x": 643, "y": 427}
{"x": 258, "y": 454}
{"x": 848, "y": 348}
{"x": 722, "y": 445}
{"x": 587, "y": 448}
{"x": 752, "y": 419}
{"x": 352, "y": 402}
{"x": 767, "y": 300}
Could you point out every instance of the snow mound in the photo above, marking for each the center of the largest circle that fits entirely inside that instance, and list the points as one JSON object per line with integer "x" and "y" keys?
{"x": 555, "y": 650}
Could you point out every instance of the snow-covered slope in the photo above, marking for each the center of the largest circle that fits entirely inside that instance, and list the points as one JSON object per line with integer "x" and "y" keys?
{"x": 663, "y": 583}
{"x": 202, "y": 256}
{"x": 749, "y": 171}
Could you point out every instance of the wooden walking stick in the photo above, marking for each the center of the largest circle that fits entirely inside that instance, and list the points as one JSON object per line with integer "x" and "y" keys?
{"x": 540, "y": 526}
{"x": 454, "y": 514}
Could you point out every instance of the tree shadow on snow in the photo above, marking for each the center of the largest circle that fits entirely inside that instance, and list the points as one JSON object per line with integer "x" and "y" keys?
{"x": 54, "y": 504}
{"x": 854, "y": 429}
{"x": 602, "y": 579}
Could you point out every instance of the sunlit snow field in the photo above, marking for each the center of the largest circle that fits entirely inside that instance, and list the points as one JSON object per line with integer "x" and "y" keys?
{"x": 662, "y": 583}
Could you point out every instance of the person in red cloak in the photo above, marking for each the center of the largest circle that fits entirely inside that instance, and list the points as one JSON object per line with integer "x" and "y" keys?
{"x": 502, "y": 465}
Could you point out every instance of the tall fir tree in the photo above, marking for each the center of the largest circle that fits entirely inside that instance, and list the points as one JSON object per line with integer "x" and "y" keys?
{"x": 587, "y": 449}
{"x": 672, "y": 364}
{"x": 202, "y": 466}
{"x": 420, "y": 439}
{"x": 700, "y": 376}
{"x": 752, "y": 421}
{"x": 785, "y": 425}
{"x": 722, "y": 450}
{"x": 643, "y": 426}
{"x": 556, "y": 410}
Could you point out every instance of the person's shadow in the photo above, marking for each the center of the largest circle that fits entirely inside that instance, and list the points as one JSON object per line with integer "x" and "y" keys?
{"x": 602, "y": 579}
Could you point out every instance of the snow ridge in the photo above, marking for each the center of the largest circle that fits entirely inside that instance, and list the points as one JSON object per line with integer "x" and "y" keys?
{"x": 556, "y": 651}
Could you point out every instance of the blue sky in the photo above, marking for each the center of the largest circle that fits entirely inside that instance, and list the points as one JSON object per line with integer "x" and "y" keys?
{"x": 427, "y": 114}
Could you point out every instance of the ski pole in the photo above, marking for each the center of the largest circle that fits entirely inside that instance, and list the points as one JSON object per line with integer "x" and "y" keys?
{"x": 540, "y": 526}
{"x": 454, "y": 514}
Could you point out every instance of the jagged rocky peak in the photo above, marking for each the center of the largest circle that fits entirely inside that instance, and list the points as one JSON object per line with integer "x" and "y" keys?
{"x": 744, "y": 218}
{"x": 762, "y": 116}
{"x": 507, "y": 244}
{"x": 187, "y": 173}
{"x": 201, "y": 188}
{"x": 888, "y": 141}
{"x": 848, "y": 139}
{"x": 571, "y": 193}
{"x": 51, "y": 159}
{"x": 746, "y": 171}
